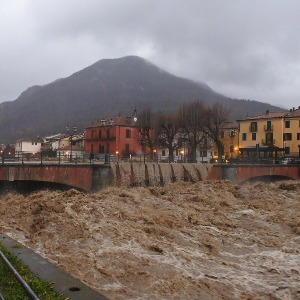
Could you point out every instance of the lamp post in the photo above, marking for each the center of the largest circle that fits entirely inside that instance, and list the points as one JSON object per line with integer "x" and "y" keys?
{"x": 182, "y": 154}
{"x": 154, "y": 155}
{"x": 232, "y": 134}
{"x": 71, "y": 133}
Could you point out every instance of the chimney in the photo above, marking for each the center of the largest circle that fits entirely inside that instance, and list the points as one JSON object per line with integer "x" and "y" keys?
{"x": 291, "y": 110}
{"x": 267, "y": 112}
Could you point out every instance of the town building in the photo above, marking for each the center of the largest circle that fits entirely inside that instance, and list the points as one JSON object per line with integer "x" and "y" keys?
{"x": 262, "y": 136}
{"x": 28, "y": 147}
{"x": 230, "y": 139}
{"x": 113, "y": 138}
{"x": 204, "y": 152}
{"x": 7, "y": 151}
{"x": 291, "y": 135}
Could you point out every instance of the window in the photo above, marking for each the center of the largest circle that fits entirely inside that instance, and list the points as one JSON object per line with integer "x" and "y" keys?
{"x": 203, "y": 153}
{"x": 287, "y": 136}
{"x": 128, "y": 134}
{"x": 254, "y": 136}
{"x": 287, "y": 124}
{"x": 287, "y": 150}
{"x": 127, "y": 149}
{"x": 269, "y": 125}
{"x": 253, "y": 126}
{"x": 232, "y": 133}
{"x": 107, "y": 133}
{"x": 269, "y": 138}
{"x": 298, "y": 136}
{"x": 231, "y": 149}
{"x": 163, "y": 153}
{"x": 100, "y": 134}
{"x": 101, "y": 149}
{"x": 244, "y": 136}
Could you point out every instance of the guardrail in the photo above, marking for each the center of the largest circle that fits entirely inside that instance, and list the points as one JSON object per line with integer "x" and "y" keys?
{"x": 99, "y": 158}
{"x": 20, "y": 279}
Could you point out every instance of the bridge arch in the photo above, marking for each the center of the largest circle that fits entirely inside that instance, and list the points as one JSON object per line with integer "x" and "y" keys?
{"x": 266, "y": 178}
{"x": 241, "y": 173}
{"x": 28, "y": 186}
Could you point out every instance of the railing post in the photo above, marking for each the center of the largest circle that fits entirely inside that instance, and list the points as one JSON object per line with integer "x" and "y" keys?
{"x": 24, "y": 284}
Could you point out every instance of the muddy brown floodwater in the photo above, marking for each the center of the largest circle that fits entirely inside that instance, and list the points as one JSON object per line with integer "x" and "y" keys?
{"x": 209, "y": 240}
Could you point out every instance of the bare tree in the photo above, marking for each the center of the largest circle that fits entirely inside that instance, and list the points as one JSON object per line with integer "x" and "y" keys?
{"x": 215, "y": 116}
{"x": 146, "y": 123}
{"x": 167, "y": 133}
{"x": 192, "y": 119}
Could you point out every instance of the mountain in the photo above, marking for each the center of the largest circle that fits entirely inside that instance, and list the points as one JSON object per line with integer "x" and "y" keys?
{"x": 108, "y": 88}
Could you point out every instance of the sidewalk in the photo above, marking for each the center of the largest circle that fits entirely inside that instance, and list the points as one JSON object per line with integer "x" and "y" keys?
{"x": 63, "y": 283}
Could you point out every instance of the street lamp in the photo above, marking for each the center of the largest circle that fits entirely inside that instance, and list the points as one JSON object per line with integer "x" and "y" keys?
{"x": 182, "y": 154}
{"x": 232, "y": 134}
{"x": 71, "y": 133}
{"x": 117, "y": 154}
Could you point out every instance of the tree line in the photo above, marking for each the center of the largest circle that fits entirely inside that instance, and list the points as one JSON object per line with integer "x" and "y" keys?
{"x": 190, "y": 125}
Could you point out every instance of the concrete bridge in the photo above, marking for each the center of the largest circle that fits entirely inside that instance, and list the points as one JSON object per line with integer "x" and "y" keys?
{"x": 93, "y": 177}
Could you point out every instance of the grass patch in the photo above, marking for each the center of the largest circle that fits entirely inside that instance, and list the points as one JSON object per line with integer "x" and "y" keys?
{"x": 11, "y": 289}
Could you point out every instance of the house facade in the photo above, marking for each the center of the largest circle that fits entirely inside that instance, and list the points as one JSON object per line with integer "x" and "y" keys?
{"x": 117, "y": 137}
{"x": 291, "y": 135}
{"x": 230, "y": 139}
{"x": 28, "y": 147}
{"x": 271, "y": 135}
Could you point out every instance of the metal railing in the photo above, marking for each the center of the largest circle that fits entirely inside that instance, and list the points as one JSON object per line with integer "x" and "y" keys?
{"x": 19, "y": 278}
{"x": 99, "y": 158}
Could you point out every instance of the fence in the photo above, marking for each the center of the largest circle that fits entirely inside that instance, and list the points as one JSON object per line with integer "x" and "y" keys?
{"x": 18, "y": 278}
{"x": 100, "y": 158}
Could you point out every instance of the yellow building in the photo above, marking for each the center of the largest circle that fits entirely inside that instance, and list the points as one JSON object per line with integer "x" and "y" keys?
{"x": 230, "y": 139}
{"x": 271, "y": 135}
{"x": 291, "y": 135}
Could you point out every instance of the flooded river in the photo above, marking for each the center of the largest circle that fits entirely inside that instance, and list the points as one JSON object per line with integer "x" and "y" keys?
{"x": 208, "y": 240}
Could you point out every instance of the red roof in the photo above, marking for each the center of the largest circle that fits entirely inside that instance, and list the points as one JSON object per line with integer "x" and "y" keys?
{"x": 293, "y": 113}
{"x": 117, "y": 121}
{"x": 268, "y": 115}
{"x": 229, "y": 125}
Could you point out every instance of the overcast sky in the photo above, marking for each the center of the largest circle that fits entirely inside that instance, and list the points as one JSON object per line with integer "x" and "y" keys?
{"x": 242, "y": 49}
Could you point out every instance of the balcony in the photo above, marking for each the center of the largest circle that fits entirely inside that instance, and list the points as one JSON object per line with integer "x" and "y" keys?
{"x": 268, "y": 142}
{"x": 252, "y": 128}
{"x": 268, "y": 128}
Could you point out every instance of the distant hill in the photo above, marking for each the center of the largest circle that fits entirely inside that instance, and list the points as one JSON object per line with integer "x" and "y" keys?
{"x": 109, "y": 87}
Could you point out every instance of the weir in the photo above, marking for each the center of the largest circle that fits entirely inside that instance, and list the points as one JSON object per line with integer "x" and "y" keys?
{"x": 152, "y": 174}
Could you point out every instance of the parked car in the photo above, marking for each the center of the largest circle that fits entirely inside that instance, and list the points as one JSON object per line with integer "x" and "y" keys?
{"x": 287, "y": 161}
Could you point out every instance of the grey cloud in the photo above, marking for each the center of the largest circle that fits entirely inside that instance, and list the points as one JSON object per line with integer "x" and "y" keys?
{"x": 246, "y": 49}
